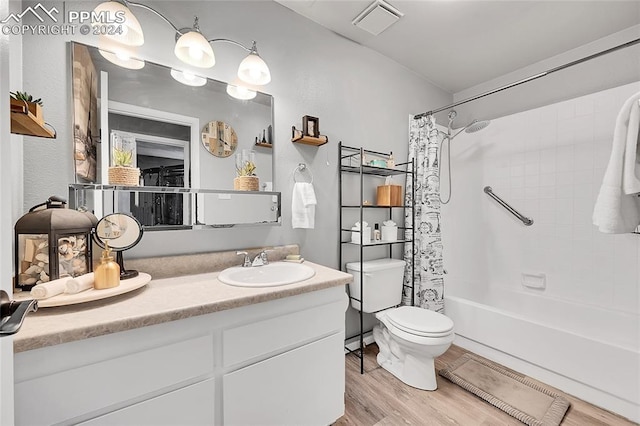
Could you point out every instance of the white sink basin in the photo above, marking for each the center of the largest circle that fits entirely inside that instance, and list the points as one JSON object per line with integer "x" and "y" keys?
{"x": 271, "y": 275}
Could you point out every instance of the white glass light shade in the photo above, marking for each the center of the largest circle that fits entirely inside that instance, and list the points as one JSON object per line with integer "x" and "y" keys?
{"x": 238, "y": 90}
{"x": 187, "y": 78}
{"x": 119, "y": 54}
{"x": 254, "y": 70}
{"x": 132, "y": 34}
{"x": 193, "y": 49}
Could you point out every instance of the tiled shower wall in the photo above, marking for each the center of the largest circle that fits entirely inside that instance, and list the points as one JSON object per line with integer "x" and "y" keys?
{"x": 548, "y": 163}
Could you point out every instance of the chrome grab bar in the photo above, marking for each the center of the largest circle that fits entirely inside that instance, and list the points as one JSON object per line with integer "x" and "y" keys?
{"x": 527, "y": 221}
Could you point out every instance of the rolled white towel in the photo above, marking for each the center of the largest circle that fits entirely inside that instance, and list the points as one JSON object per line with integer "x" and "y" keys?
{"x": 80, "y": 283}
{"x": 49, "y": 289}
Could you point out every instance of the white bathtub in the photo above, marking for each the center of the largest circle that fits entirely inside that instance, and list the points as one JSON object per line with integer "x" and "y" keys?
{"x": 588, "y": 352}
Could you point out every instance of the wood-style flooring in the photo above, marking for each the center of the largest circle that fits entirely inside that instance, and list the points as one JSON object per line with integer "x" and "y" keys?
{"x": 378, "y": 398}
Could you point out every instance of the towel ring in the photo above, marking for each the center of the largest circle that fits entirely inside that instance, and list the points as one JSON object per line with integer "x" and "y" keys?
{"x": 301, "y": 168}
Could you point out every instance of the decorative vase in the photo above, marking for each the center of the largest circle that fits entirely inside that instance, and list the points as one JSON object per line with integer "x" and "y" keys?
{"x": 125, "y": 176}
{"x": 246, "y": 183}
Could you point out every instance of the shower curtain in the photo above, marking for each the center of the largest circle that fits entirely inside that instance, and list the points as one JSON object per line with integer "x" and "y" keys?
{"x": 424, "y": 143}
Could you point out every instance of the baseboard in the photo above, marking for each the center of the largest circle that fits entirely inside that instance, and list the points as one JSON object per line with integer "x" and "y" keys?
{"x": 353, "y": 344}
{"x": 565, "y": 384}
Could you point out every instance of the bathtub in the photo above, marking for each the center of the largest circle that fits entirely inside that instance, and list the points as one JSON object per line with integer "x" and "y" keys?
{"x": 588, "y": 352}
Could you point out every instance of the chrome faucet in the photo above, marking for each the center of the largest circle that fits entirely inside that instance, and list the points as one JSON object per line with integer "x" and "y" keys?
{"x": 260, "y": 259}
{"x": 246, "y": 262}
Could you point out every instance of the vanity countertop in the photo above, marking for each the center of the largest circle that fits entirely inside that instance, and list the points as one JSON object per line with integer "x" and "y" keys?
{"x": 160, "y": 301}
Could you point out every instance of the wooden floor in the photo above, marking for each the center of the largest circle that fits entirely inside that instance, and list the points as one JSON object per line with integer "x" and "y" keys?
{"x": 378, "y": 398}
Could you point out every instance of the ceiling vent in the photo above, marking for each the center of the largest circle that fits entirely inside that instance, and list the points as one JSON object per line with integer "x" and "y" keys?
{"x": 376, "y": 18}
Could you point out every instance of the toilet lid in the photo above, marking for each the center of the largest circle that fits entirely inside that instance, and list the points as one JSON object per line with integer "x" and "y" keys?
{"x": 421, "y": 322}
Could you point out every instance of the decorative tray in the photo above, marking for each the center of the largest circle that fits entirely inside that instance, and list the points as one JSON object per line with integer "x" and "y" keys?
{"x": 92, "y": 294}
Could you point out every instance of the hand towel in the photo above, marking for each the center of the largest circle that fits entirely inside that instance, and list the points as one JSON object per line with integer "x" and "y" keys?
{"x": 49, "y": 289}
{"x": 78, "y": 284}
{"x": 631, "y": 171}
{"x": 617, "y": 211}
{"x": 303, "y": 206}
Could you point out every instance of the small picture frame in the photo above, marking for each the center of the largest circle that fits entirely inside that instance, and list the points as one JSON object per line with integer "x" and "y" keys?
{"x": 311, "y": 126}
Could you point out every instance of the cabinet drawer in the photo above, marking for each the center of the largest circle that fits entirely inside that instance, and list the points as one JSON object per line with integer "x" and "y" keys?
{"x": 79, "y": 391}
{"x": 192, "y": 405}
{"x": 262, "y": 339}
{"x": 304, "y": 386}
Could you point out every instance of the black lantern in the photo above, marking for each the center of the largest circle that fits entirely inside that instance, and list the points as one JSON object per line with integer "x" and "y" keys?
{"x": 52, "y": 242}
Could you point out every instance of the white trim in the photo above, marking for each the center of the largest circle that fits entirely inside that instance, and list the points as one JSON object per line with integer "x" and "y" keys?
{"x": 7, "y": 189}
{"x": 353, "y": 344}
{"x": 169, "y": 117}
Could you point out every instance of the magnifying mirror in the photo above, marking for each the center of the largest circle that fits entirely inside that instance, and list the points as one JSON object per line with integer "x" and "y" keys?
{"x": 121, "y": 232}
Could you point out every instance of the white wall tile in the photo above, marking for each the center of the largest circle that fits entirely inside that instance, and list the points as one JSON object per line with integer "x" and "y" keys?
{"x": 552, "y": 163}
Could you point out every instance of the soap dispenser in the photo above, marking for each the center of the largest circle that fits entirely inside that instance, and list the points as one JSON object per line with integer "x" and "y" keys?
{"x": 107, "y": 274}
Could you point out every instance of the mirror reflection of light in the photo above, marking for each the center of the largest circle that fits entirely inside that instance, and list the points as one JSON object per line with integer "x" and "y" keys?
{"x": 240, "y": 92}
{"x": 188, "y": 78}
{"x": 122, "y": 59}
{"x": 122, "y": 55}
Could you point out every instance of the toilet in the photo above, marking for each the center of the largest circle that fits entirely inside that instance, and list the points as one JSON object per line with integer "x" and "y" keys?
{"x": 409, "y": 338}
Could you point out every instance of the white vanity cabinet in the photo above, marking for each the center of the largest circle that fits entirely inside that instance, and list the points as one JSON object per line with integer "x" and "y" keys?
{"x": 276, "y": 362}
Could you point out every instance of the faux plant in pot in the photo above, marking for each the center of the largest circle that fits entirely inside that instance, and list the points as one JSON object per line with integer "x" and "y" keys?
{"x": 21, "y": 99}
{"x": 123, "y": 170}
{"x": 245, "y": 169}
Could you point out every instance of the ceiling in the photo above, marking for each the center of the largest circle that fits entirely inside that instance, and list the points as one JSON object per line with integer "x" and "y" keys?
{"x": 459, "y": 44}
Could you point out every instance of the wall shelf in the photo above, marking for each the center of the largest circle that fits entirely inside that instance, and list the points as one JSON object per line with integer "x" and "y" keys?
{"x": 264, "y": 145}
{"x": 298, "y": 137}
{"x": 24, "y": 122}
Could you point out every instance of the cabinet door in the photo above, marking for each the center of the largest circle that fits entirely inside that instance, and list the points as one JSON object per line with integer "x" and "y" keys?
{"x": 304, "y": 386}
{"x": 192, "y": 405}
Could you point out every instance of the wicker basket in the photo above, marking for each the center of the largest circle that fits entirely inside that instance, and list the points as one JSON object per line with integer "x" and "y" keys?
{"x": 126, "y": 176}
{"x": 246, "y": 183}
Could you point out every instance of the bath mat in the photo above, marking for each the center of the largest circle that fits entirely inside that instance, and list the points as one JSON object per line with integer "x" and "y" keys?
{"x": 520, "y": 398}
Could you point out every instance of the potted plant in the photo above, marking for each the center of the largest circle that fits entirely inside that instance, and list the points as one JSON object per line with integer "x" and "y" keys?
{"x": 246, "y": 179}
{"x": 123, "y": 170}
{"x": 21, "y": 99}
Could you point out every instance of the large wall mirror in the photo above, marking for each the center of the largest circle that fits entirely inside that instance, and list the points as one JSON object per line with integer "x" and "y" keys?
{"x": 153, "y": 119}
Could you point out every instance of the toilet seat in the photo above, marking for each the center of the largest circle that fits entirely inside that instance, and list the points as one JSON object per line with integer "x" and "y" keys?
{"x": 420, "y": 322}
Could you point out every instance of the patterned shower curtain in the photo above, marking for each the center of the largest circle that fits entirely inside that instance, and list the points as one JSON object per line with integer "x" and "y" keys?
{"x": 424, "y": 143}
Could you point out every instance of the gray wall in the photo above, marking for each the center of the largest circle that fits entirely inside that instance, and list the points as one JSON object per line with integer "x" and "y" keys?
{"x": 361, "y": 98}
{"x": 608, "y": 71}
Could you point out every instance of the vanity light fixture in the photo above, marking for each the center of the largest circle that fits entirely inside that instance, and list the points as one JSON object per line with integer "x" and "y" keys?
{"x": 253, "y": 69}
{"x": 132, "y": 34}
{"x": 190, "y": 79}
{"x": 192, "y": 47}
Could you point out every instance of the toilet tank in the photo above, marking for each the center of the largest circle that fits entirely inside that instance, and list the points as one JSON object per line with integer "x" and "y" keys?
{"x": 382, "y": 283}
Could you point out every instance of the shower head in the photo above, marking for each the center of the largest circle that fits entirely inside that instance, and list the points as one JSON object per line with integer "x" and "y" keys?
{"x": 476, "y": 126}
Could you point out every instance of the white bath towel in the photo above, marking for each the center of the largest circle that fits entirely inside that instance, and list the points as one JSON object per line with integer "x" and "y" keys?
{"x": 631, "y": 171}
{"x": 80, "y": 283}
{"x": 617, "y": 208}
{"x": 49, "y": 289}
{"x": 303, "y": 206}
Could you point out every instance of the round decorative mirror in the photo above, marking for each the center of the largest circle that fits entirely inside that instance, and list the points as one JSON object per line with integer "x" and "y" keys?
{"x": 121, "y": 232}
{"x": 219, "y": 138}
